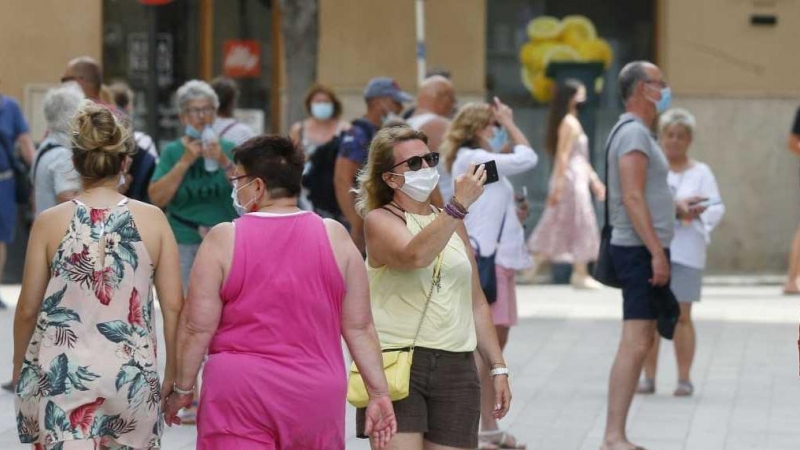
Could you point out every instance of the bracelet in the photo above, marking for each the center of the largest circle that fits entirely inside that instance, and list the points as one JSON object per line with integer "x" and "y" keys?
{"x": 499, "y": 371}
{"x": 501, "y": 364}
{"x": 453, "y": 212}
{"x": 180, "y": 391}
{"x": 458, "y": 205}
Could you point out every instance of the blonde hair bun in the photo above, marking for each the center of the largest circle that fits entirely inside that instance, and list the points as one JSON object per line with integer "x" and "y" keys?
{"x": 100, "y": 142}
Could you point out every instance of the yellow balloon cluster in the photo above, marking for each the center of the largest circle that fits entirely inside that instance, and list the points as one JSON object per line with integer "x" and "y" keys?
{"x": 572, "y": 39}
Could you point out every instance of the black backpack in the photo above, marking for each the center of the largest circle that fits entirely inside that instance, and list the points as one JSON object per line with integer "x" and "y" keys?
{"x": 143, "y": 164}
{"x": 318, "y": 179}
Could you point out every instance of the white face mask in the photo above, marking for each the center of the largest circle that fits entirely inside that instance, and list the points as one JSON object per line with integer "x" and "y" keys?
{"x": 240, "y": 209}
{"x": 419, "y": 183}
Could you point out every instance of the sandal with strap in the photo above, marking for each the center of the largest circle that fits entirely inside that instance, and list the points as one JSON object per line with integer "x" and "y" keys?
{"x": 646, "y": 386}
{"x": 501, "y": 439}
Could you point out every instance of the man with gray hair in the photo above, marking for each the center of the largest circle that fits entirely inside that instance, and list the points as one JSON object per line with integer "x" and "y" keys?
{"x": 642, "y": 215}
{"x": 53, "y": 174}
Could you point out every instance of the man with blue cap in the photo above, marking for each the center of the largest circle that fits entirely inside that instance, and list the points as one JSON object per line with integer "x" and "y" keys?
{"x": 384, "y": 100}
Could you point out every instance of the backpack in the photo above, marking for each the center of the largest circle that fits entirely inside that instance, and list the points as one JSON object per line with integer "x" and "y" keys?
{"x": 318, "y": 179}
{"x": 143, "y": 164}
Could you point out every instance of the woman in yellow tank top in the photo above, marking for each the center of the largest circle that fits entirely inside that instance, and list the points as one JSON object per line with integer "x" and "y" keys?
{"x": 406, "y": 239}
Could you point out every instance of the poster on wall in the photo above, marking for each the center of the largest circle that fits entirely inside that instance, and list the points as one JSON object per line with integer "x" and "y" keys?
{"x": 242, "y": 58}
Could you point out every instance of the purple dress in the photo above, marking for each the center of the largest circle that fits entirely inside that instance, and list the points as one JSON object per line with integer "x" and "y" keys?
{"x": 567, "y": 232}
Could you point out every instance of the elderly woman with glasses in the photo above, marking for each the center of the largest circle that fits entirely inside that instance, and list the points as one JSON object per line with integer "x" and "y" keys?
{"x": 191, "y": 178}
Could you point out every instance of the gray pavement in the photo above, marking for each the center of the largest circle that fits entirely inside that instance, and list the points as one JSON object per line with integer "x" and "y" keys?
{"x": 745, "y": 374}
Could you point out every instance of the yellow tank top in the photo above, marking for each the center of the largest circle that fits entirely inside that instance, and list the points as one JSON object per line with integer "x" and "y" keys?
{"x": 398, "y": 299}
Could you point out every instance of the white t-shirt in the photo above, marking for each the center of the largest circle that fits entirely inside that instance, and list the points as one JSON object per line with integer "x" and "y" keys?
{"x": 691, "y": 239}
{"x": 486, "y": 214}
{"x": 232, "y": 130}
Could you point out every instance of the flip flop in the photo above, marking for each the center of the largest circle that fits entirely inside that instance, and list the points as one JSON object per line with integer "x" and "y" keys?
{"x": 646, "y": 386}
{"x": 684, "y": 389}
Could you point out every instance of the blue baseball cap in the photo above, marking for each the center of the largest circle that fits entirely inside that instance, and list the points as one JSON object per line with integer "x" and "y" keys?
{"x": 386, "y": 87}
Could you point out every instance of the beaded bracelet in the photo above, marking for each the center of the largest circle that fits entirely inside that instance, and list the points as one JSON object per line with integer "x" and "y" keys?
{"x": 458, "y": 205}
{"x": 453, "y": 212}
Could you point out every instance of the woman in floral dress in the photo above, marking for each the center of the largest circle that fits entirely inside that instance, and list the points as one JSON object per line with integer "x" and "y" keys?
{"x": 84, "y": 338}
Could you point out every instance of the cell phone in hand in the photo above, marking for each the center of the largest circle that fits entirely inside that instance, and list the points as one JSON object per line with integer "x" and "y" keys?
{"x": 707, "y": 202}
{"x": 491, "y": 172}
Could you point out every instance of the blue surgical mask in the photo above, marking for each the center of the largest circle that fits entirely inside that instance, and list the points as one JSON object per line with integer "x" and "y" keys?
{"x": 666, "y": 100}
{"x": 322, "y": 110}
{"x": 240, "y": 209}
{"x": 192, "y": 132}
{"x": 499, "y": 139}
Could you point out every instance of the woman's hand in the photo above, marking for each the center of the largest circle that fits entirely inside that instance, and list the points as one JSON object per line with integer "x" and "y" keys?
{"x": 502, "y": 396}
{"x": 687, "y": 209}
{"x": 194, "y": 149}
{"x": 469, "y": 186}
{"x": 176, "y": 402}
{"x": 380, "y": 423}
{"x": 599, "y": 190}
{"x": 503, "y": 113}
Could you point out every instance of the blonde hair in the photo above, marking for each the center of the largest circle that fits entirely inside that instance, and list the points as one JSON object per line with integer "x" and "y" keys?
{"x": 100, "y": 143}
{"x": 373, "y": 192}
{"x": 462, "y": 132}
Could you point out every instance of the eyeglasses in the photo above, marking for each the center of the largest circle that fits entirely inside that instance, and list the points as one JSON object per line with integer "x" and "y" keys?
{"x": 415, "y": 162}
{"x": 661, "y": 83}
{"x": 237, "y": 178}
{"x": 200, "y": 112}
{"x": 70, "y": 78}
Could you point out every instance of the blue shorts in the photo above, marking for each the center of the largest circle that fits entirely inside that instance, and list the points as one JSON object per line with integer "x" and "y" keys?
{"x": 634, "y": 268}
{"x": 8, "y": 210}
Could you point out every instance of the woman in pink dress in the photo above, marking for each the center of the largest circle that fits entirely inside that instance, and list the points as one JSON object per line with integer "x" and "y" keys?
{"x": 271, "y": 295}
{"x": 567, "y": 232}
{"x": 84, "y": 331}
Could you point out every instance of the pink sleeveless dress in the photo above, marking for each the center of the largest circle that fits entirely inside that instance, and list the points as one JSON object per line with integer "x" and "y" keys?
{"x": 90, "y": 375}
{"x": 275, "y": 375}
{"x": 567, "y": 232}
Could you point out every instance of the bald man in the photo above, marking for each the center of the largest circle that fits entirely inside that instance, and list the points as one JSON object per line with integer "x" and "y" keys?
{"x": 88, "y": 74}
{"x": 436, "y": 100}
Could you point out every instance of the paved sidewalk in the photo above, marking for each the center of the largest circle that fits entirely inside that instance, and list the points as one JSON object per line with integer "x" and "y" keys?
{"x": 746, "y": 375}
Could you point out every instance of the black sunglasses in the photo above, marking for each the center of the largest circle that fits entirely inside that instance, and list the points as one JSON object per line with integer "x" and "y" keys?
{"x": 415, "y": 162}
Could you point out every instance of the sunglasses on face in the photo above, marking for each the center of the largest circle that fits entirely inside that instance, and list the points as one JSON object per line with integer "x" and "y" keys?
{"x": 415, "y": 162}
{"x": 70, "y": 78}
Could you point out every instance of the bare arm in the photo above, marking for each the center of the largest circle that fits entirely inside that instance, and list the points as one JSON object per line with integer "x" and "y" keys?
{"x": 488, "y": 344}
{"x": 170, "y": 295}
{"x": 163, "y": 190}
{"x": 344, "y": 173}
{"x": 294, "y": 133}
{"x": 27, "y": 148}
{"x": 566, "y": 138}
{"x": 391, "y": 243}
{"x": 358, "y": 328}
{"x": 794, "y": 144}
{"x": 34, "y": 285}
{"x": 202, "y": 310}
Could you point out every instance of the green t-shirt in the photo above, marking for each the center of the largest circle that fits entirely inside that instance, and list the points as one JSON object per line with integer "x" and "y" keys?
{"x": 203, "y": 198}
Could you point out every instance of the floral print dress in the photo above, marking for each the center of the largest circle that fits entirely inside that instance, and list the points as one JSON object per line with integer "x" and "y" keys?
{"x": 90, "y": 376}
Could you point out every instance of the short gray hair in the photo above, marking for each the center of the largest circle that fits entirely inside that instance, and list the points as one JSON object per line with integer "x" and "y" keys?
{"x": 629, "y": 76}
{"x": 60, "y": 105}
{"x": 196, "y": 90}
{"x": 677, "y": 116}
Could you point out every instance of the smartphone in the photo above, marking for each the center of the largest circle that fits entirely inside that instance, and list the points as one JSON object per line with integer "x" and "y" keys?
{"x": 491, "y": 172}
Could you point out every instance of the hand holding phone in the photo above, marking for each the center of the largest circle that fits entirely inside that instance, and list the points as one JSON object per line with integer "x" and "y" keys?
{"x": 491, "y": 172}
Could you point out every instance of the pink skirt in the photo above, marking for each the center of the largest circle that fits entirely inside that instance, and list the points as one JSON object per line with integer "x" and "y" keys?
{"x": 504, "y": 309}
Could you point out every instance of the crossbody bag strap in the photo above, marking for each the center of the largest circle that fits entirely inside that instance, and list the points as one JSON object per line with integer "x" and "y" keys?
{"x": 502, "y": 225}
{"x": 608, "y": 163}
{"x": 437, "y": 276}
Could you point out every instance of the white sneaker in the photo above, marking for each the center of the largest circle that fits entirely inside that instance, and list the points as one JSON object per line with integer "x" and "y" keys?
{"x": 585, "y": 283}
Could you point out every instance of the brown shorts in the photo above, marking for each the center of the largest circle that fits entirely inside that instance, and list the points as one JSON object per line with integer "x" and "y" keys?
{"x": 444, "y": 403}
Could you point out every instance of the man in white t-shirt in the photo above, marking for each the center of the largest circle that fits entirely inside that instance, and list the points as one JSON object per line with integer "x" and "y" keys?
{"x": 226, "y": 126}
{"x": 436, "y": 100}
